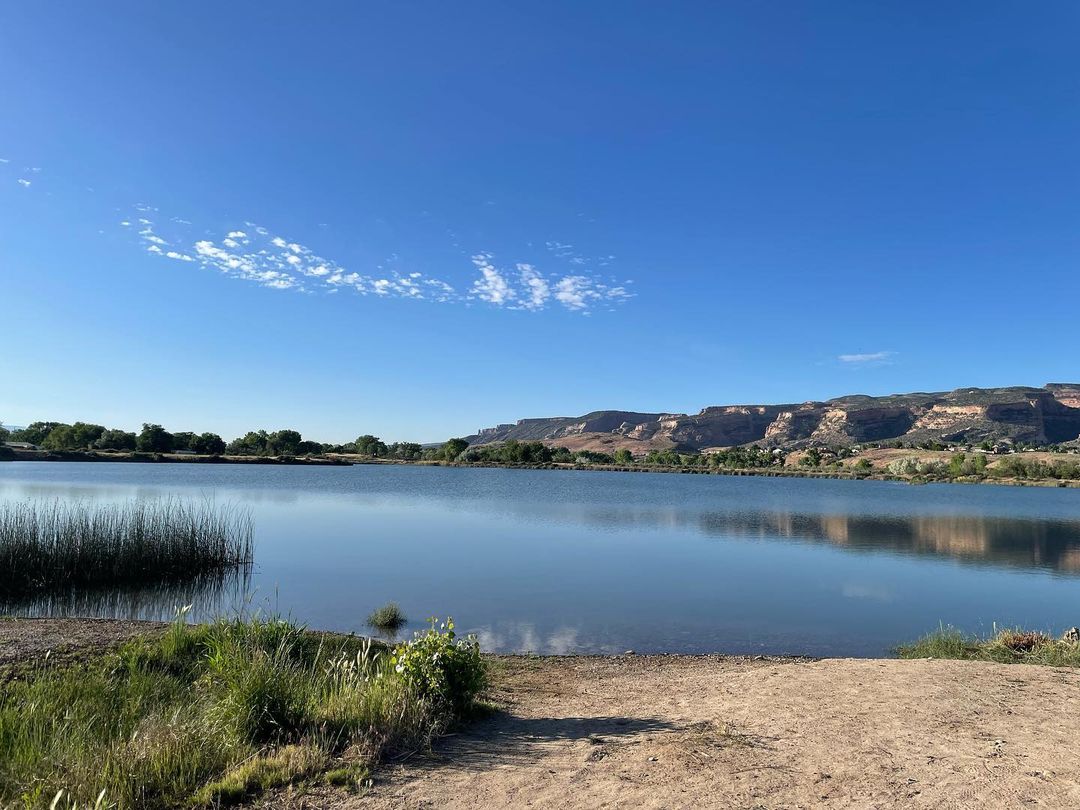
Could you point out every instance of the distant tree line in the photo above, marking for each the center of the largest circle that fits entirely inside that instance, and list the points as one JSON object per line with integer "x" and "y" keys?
{"x": 154, "y": 438}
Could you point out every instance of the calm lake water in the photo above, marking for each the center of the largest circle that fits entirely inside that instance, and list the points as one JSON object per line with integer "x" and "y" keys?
{"x": 563, "y": 562}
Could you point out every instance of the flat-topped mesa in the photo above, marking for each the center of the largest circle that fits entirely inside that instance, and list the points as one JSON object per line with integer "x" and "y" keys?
{"x": 1035, "y": 415}
{"x": 1068, "y": 394}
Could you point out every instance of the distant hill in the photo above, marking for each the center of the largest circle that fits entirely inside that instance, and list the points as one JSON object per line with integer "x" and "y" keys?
{"x": 1047, "y": 415}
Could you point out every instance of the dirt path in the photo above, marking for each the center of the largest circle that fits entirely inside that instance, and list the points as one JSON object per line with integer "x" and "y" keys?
{"x": 713, "y": 732}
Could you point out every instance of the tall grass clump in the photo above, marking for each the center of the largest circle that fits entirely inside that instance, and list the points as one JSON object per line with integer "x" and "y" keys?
{"x": 211, "y": 715}
{"x": 1006, "y": 646}
{"x": 56, "y": 545}
{"x": 388, "y": 619}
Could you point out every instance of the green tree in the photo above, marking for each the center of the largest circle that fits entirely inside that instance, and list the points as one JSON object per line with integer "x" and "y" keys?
{"x": 80, "y": 436}
{"x": 183, "y": 440}
{"x": 154, "y": 439}
{"x": 115, "y": 440}
{"x": 407, "y": 451}
{"x": 5, "y": 434}
{"x": 252, "y": 443}
{"x": 284, "y": 442}
{"x": 624, "y": 456}
{"x": 368, "y": 445}
{"x": 594, "y": 457}
{"x": 209, "y": 444}
{"x": 35, "y": 432}
{"x": 453, "y": 448}
{"x": 61, "y": 437}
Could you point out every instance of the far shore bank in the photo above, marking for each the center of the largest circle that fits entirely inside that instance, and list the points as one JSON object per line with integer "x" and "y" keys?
{"x": 166, "y": 458}
{"x": 346, "y": 460}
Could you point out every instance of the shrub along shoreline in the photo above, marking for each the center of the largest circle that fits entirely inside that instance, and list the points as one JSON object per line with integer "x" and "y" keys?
{"x": 211, "y": 715}
{"x": 1005, "y": 646}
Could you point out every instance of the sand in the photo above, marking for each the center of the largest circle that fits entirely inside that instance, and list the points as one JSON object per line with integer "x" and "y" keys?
{"x": 720, "y": 732}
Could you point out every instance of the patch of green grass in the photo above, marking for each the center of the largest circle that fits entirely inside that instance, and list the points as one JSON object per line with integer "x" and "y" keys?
{"x": 261, "y": 773}
{"x": 1008, "y": 646}
{"x": 54, "y": 546}
{"x": 353, "y": 776}
{"x": 210, "y": 715}
{"x": 389, "y": 618}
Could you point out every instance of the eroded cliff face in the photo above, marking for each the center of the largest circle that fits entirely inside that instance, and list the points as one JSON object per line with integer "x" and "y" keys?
{"x": 723, "y": 426}
{"x": 1036, "y": 415}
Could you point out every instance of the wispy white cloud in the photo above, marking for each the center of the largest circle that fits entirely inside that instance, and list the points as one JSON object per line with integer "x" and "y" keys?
{"x": 257, "y": 255}
{"x": 580, "y": 293}
{"x": 538, "y": 291}
{"x": 865, "y": 359}
{"x": 491, "y": 286}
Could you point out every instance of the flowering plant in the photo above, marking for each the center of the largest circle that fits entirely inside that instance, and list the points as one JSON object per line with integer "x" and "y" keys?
{"x": 440, "y": 668}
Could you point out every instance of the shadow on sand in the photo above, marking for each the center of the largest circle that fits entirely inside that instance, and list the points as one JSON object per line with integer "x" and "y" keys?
{"x": 501, "y": 738}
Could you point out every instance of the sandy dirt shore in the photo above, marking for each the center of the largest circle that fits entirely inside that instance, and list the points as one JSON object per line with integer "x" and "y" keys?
{"x": 709, "y": 731}
{"x": 722, "y": 732}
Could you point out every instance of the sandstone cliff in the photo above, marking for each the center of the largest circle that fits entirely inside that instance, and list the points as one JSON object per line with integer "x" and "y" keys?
{"x": 1034, "y": 415}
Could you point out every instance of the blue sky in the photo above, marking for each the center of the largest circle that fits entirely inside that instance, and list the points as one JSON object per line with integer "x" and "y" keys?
{"x": 445, "y": 216}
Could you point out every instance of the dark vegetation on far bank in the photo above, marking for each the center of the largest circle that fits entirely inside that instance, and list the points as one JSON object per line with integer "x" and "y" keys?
{"x": 1002, "y": 461}
{"x": 212, "y": 715}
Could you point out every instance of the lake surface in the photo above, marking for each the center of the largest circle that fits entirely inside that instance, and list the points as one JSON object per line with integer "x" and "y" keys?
{"x": 601, "y": 562}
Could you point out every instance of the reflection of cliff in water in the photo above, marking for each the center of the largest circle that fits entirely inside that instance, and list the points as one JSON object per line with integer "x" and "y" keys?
{"x": 223, "y": 592}
{"x": 1016, "y": 542}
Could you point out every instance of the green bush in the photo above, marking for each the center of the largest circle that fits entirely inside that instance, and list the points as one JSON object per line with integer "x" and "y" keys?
{"x": 209, "y": 715}
{"x": 444, "y": 671}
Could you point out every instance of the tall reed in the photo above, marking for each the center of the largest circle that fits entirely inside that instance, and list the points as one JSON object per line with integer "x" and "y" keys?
{"x": 55, "y": 545}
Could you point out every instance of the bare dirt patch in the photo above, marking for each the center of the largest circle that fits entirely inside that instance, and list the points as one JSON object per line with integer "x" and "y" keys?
{"x": 28, "y": 641}
{"x": 720, "y": 732}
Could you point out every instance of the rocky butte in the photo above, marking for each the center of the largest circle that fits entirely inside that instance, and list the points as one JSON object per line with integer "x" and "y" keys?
{"x": 1047, "y": 415}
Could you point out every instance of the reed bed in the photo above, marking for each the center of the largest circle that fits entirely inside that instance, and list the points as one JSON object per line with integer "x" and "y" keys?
{"x": 55, "y": 545}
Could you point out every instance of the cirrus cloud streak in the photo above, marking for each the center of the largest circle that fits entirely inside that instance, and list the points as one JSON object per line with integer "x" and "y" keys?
{"x": 252, "y": 253}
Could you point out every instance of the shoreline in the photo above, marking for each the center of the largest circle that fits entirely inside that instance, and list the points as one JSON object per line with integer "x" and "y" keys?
{"x": 342, "y": 460}
{"x": 95, "y": 456}
{"x": 702, "y": 730}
